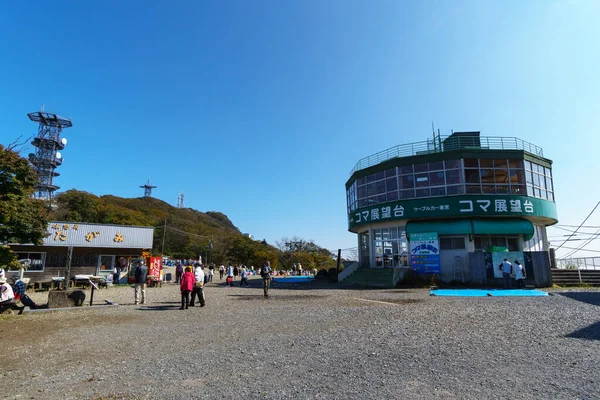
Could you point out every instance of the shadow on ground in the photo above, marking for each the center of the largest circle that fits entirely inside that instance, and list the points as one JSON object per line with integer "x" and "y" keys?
{"x": 591, "y": 332}
{"x": 586, "y": 297}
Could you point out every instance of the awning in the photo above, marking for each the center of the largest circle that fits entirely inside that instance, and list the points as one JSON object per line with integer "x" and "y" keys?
{"x": 499, "y": 227}
{"x": 503, "y": 227}
{"x": 442, "y": 227}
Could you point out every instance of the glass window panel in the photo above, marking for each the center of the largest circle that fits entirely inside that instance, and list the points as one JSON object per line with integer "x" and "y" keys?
{"x": 391, "y": 196}
{"x": 437, "y": 178}
{"x": 529, "y": 191}
{"x": 513, "y": 244}
{"x": 536, "y": 180}
{"x": 362, "y": 192}
{"x": 371, "y": 178}
{"x": 451, "y": 164}
{"x": 488, "y": 189}
{"x": 407, "y": 194}
{"x": 445, "y": 243}
{"x": 550, "y": 196}
{"x": 473, "y": 189}
{"x": 423, "y": 193}
{"x": 517, "y": 176}
{"x": 458, "y": 243}
{"x": 549, "y": 172}
{"x": 542, "y": 182}
{"x": 543, "y": 194}
{"x": 515, "y": 164}
{"x": 406, "y": 169}
{"x": 390, "y": 172}
{"x": 362, "y": 181}
{"x": 385, "y": 234}
{"x": 422, "y": 180}
{"x": 501, "y": 175}
{"x": 549, "y": 184}
{"x": 528, "y": 178}
{"x": 500, "y": 163}
{"x": 453, "y": 176}
{"x": 528, "y": 165}
{"x": 381, "y": 198}
{"x": 379, "y": 175}
{"x": 456, "y": 189}
{"x": 436, "y": 166}
{"x": 498, "y": 241}
{"x": 538, "y": 192}
{"x": 487, "y": 175}
{"x": 394, "y": 233}
{"x": 537, "y": 167}
{"x": 485, "y": 163}
{"x": 362, "y": 203}
{"x": 381, "y": 187}
{"x": 517, "y": 189}
{"x": 377, "y": 235}
{"x": 438, "y": 191}
{"x": 421, "y": 167}
{"x": 407, "y": 181}
{"x": 471, "y": 163}
{"x": 502, "y": 189}
{"x": 472, "y": 176}
{"x": 391, "y": 184}
{"x": 371, "y": 189}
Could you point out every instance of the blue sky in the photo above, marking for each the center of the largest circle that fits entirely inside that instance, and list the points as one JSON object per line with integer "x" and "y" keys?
{"x": 260, "y": 109}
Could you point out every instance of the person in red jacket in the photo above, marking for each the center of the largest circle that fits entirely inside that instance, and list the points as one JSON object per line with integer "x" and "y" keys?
{"x": 186, "y": 286}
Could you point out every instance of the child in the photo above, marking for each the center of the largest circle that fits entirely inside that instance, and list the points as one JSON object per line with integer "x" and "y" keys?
{"x": 186, "y": 286}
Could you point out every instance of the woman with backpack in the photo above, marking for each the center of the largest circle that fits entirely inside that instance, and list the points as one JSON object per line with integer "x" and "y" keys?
{"x": 186, "y": 286}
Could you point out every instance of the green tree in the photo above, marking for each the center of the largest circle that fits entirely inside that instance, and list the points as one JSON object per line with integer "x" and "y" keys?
{"x": 22, "y": 218}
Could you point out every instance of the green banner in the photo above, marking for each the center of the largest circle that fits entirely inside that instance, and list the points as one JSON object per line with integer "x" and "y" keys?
{"x": 455, "y": 207}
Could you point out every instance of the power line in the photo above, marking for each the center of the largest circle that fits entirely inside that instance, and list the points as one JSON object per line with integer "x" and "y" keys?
{"x": 586, "y": 218}
{"x": 574, "y": 248}
{"x": 584, "y": 244}
{"x": 575, "y": 226}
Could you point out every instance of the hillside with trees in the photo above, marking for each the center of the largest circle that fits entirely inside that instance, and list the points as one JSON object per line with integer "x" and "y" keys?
{"x": 187, "y": 233}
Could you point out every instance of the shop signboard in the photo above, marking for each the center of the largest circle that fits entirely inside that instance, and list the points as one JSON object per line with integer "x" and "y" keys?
{"x": 425, "y": 253}
{"x": 155, "y": 266}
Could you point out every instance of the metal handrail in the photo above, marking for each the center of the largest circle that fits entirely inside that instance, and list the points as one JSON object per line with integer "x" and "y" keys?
{"x": 440, "y": 145}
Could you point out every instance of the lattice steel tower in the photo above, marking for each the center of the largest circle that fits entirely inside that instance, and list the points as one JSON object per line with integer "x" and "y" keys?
{"x": 148, "y": 189}
{"x": 47, "y": 156}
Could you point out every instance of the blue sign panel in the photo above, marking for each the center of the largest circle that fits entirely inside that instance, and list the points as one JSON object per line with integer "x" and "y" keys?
{"x": 425, "y": 253}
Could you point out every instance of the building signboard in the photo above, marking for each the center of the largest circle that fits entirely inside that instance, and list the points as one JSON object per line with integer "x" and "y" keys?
{"x": 98, "y": 235}
{"x": 455, "y": 206}
{"x": 425, "y": 253}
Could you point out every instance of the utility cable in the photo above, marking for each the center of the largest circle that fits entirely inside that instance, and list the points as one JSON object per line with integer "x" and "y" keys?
{"x": 572, "y": 234}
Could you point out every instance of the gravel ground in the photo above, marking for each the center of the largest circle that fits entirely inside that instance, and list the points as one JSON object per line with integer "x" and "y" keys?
{"x": 307, "y": 341}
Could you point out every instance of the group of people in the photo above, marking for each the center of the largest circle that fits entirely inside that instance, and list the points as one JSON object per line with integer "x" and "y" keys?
{"x": 514, "y": 270}
{"x": 179, "y": 270}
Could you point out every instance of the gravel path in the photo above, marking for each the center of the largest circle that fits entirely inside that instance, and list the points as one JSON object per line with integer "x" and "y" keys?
{"x": 307, "y": 342}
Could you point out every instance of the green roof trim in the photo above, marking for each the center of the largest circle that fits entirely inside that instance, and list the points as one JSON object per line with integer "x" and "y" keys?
{"x": 499, "y": 227}
{"x": 516, "y": 226}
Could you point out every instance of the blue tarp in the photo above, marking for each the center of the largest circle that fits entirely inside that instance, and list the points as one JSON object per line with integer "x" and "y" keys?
{"x": 487, "y": 292}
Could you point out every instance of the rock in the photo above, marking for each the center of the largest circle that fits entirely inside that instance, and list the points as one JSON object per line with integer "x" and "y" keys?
{"x": 65, "y": 298}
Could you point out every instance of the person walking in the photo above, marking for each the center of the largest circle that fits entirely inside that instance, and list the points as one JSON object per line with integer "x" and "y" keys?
{"x": 198, "y": 286}
{"x": 236, "y": 271}
{"x": 211, "y": 272}
{"x": 265, "y": 273}
{"x": 519, "y": 274}
{"x": 506, "y": 268}
{"x": 221, "y": 271}
{"x": 244, "y": 276}
{"x": 229, "y": 276}
{"x": 141, "y": 277}
{"x": 178, "y": 273}
{"x": 186, "y": 286}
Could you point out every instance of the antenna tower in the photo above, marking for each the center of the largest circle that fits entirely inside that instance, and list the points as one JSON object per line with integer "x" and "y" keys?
{"x": 148, "y": 189}
{"x": 47, "y": 157}
{"x": 180, "y": 201}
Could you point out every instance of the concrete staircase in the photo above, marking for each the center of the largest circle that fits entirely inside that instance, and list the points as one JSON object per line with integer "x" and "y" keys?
{"x": 565, "y": 277}
{"x": 375, "y": 277}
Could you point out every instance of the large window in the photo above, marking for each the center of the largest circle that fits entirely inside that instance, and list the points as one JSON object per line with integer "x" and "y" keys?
{"x": 539, "y": 181}
{"x": 452, "y": 178}
{"x": 482, "y": 243}
{"x": 391, "y": 247}
{"x": 452, "y": 243}
{"x": 36, "y": 261}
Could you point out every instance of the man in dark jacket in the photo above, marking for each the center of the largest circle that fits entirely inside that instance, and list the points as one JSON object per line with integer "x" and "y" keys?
{"x": 265, "y": 273}
{"x": 141, "y": 276}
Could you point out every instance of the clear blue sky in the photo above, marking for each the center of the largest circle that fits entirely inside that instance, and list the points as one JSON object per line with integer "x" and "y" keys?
{"x": 260, "y": 109}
